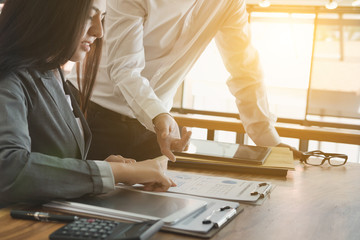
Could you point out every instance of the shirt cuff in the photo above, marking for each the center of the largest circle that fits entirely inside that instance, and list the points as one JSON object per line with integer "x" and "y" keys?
{"x": 151, "y": 111}
{"x": 268, "y": 138}
{"x": 107, "y": 176}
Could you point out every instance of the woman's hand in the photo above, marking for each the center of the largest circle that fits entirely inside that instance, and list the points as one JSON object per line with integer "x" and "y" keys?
{"x": 150, "y": 173}
{"x": 120, "y": 159}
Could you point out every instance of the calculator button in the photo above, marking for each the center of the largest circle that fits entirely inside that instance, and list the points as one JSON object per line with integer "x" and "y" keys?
{"x": 95, "y": 229}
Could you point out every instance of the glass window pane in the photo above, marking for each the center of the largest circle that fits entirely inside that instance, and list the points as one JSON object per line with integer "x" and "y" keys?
{"x": 284, "y": 42}
{"x": 351, "y": 16}
{"x": 353, "y": 151}
{"x": 328, "y": 16}
{"x": 327, "y": 42}
{"x": 335, "y": 86}
{"x": 207, "y": 90}
{"x": 225, "y": 136}
{"x": 198, "y": 133}
{"x": 352, "y": 47}
{"x": 285, "y": 46}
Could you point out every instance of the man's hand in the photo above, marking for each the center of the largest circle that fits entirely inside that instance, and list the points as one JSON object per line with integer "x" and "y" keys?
{"x": 296, "y": 153}
{"x": 168, "y": 135}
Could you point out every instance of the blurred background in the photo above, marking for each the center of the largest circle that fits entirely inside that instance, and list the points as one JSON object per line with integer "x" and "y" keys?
{"x": 310, "y": 52}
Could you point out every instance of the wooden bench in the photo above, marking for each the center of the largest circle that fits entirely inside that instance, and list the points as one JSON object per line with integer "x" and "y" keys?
{"x": 304, "y": 133}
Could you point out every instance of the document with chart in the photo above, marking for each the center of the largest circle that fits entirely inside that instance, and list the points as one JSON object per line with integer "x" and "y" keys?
{"x": 218, "y": 187}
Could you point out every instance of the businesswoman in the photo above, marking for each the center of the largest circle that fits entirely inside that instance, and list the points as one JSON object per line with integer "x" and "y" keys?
{"x": 44, "y": 138}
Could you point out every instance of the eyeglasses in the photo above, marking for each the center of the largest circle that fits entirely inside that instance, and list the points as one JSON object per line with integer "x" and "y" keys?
{"x": 317, "y": 158}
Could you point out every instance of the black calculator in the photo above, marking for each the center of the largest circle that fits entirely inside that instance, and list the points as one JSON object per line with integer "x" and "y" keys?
{"x": 96, "y": 229}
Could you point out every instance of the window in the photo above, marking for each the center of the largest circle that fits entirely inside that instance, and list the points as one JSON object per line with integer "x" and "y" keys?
{"x": 284, "y": 42}
{"x": 300, "y": 85}
{"x": 335, "y": 84}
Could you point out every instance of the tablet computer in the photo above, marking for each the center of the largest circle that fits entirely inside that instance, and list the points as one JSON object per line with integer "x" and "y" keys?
{"x": 129, "y": 204}
{"x": 232, "y": 152}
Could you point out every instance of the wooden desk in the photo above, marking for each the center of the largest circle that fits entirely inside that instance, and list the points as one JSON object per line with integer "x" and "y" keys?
{"x": 309, "y": 203}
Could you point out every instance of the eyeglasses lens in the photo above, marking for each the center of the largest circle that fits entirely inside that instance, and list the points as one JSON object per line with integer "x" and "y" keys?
{"x": 315, "y": 160}
{"x": 336, "y": 161}
{"x": 318, "y": 159}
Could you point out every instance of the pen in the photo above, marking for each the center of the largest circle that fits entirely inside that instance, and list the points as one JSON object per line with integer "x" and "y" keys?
{"x": 42, "y": 216}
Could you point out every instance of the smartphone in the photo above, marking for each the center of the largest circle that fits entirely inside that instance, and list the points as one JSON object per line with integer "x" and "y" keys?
{"x": 232, "y": 152}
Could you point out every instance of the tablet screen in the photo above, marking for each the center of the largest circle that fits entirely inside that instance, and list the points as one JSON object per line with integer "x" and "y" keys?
{"x": 229, "y": 151}
{"x": 168, "y": 208}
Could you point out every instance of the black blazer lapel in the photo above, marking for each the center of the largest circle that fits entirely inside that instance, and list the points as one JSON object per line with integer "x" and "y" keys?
{"x": 59, "y": 99}
{"x": 78, "y": 113}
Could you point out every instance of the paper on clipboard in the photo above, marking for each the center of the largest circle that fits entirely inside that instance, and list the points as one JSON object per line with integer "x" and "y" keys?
{"x": 218, "y": 187}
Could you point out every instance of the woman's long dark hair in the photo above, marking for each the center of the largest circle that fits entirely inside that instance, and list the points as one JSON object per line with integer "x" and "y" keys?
{"x": 88, "y": 69}
{"x": 44, "y": 34}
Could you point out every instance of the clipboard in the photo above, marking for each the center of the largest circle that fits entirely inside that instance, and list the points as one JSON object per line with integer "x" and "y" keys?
{"x": 191, "y": 225}
{"x": 224, "y": 188}
{"x": 213, "y": 227}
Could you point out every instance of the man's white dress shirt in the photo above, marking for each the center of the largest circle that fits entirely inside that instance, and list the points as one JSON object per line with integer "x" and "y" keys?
{"x": 150, "y": 46}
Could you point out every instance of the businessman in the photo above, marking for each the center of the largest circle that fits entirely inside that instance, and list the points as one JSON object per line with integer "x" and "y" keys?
{"x": 136, "y": 84}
